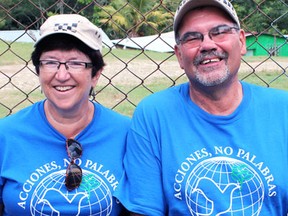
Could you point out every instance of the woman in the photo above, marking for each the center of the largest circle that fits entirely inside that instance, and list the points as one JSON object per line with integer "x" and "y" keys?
{"x": 63, "y": 155}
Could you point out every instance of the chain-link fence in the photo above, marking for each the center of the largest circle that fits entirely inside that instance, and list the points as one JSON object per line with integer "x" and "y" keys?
{"x": 138, "y": 49}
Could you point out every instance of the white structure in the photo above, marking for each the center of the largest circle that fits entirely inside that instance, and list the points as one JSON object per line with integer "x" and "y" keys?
{"x": 160, "y": 43}
{"x": 30, "y": 36}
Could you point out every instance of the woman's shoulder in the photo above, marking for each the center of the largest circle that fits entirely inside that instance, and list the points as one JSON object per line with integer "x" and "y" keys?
{"x": 22, "y": 116}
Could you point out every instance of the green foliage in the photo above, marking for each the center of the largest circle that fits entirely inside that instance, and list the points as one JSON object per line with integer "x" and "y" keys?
{"x": 29, "y": 14}
{"x": 269, "y": 16}
{"x": 170, "y": 5}
{"x": 122, "y": 18}
{"x": 137, "y": 18}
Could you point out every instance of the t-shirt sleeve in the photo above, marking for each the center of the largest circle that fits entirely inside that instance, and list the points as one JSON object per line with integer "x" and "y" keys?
{"x": 140, "y": 189}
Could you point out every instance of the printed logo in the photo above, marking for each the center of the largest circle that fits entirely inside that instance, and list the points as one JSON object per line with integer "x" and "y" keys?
{"x": 228, "y": 185}
{"x": 223, "y": 181}
{"x": 92, "y": 195}
{"x": 66, "y": 27}
{"x": 45, "y": 193}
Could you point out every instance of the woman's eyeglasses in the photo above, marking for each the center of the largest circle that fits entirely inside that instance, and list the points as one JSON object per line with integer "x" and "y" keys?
{"x": 52, "y": 66}
{"x": 74, "y": 172}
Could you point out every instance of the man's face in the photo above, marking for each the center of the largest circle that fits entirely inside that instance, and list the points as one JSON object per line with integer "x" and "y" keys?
{"x": 213, "y": 61}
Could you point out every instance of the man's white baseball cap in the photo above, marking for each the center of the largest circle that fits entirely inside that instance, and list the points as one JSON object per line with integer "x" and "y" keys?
{"x": 187, "y": 5}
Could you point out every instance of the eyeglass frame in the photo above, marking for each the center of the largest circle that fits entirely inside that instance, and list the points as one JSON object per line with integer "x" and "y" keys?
{"x": 68, "y": 65}
{"x": 200, "y": 36}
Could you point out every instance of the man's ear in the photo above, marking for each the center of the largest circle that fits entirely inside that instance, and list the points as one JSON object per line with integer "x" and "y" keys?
{"x": 178, "y": 54}
{"x": 243, "y": 42}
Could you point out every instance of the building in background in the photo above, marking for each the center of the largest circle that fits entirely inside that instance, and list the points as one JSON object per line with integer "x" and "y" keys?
{"x": 266, "y": 45}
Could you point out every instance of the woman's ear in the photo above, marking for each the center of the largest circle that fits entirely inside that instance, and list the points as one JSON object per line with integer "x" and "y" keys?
{"x": 96, "y": 78}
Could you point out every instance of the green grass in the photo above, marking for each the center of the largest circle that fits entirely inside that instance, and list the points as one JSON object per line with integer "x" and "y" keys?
{"x": 122, "y": 97}
{"x": 109, "y": 55}
{"x": 15, "y": 53}
{"x": 267, "y": 79}
{"x": 125, "y": 97}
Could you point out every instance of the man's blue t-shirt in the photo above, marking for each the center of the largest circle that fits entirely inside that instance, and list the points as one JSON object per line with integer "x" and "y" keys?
{"x": 182, "y": 160}
{"x": 33, "y": 163}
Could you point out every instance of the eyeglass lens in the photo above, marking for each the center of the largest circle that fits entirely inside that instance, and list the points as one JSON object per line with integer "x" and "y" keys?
{"x": 73, "y": 176}
{"x": 217, "y": 34}
{"x": 74, "y": 172}
{"x": 52, "y": 66}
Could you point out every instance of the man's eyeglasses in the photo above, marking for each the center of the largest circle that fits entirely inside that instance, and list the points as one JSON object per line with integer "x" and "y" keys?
{"x": 74, "y": 172}
{"x": 51, "y": 66}
{"x": 217, "y": 34}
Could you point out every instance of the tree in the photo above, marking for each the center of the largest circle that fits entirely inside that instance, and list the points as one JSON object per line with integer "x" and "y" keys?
{"x": 262, "y": 16}
{"x": 133, "y": 18}
{"x": 29, "y": 14}
{"x": 122, "y": 18}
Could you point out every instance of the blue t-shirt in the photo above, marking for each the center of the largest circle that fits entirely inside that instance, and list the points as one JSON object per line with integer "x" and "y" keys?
{"x": 33, "y": 162}
{"x": 181, "y": 160}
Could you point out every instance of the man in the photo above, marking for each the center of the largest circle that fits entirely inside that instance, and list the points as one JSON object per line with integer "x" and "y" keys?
{"x": 215, "y": 145}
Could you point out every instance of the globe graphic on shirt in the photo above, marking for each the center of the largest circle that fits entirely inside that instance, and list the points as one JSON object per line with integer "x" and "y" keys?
{"x": 224, "y": 186}
{"x": 50, "y": 197}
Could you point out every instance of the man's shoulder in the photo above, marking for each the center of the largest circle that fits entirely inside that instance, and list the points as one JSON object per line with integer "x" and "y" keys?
{"x": 269, "y": 91}
{"x": 267, "y": 94}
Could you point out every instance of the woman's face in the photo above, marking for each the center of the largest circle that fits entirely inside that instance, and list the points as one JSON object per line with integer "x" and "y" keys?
{"x": 66, "y": 89}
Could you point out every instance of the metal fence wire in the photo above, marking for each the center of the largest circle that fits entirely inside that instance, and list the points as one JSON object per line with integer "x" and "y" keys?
{"x": 138, "y": 49}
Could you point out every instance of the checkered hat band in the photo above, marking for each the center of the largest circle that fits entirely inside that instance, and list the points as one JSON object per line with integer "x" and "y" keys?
{"x": 66, "y": 27}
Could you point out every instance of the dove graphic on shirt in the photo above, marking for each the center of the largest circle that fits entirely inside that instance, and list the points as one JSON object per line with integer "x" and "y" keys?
{"x": 75, "y": 201}
{"x": 219, "y": 198}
